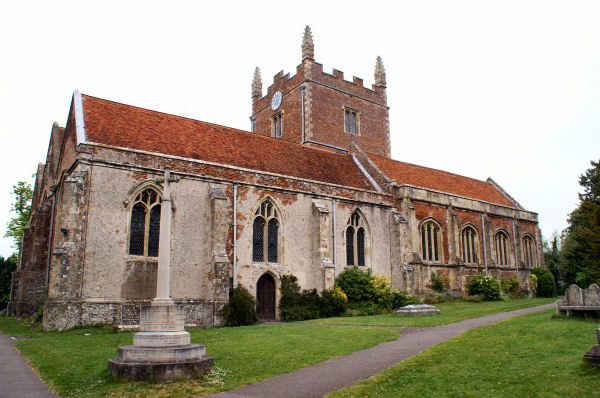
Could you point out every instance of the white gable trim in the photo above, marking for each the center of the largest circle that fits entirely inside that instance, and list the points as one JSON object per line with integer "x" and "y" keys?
{"x": 371, "y": 180}
{"x": 79, "y": 122}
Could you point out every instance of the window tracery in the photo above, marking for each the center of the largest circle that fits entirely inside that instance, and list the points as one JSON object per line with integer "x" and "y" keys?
{"x": 469, "y": 245}
{"x": 528, "y": 251}
{"x": 144, "y": 227}
{"x": 355, "y": 240}
{"x": 431, "y": 238}
{"x": 265, "y": 233}
{"x": 501, "y": 245}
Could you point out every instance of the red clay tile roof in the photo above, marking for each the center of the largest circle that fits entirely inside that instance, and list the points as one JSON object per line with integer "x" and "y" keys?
{"x": 126, "y": 126}
{"x": 406, "y": 173}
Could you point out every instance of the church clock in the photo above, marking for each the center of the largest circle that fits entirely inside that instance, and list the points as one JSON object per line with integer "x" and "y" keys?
{"x": 276, "y": 101}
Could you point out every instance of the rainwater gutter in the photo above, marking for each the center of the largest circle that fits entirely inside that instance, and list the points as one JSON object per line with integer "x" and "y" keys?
{"x": 50, "y": 237}
{"x": 515, "y": 247}
{"x": 484, "y": 244}
{"x": 235, "y": 282}
{"x": 333, "y": 237}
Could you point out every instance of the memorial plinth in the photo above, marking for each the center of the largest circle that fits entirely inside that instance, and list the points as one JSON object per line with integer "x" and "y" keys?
{"x": 161, "y": 350}
{"x": 592, "y": 357}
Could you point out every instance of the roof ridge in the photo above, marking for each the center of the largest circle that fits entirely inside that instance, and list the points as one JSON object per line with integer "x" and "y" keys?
{"x": 233, "y": 129}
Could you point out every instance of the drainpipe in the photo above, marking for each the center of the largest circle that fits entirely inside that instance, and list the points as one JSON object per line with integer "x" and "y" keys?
{"x": 235, "y": 282}
{"x": 302, "y": 88}
{"x": 333, "y": 237}
{"x": 50, "y": 241}
{"x": 484, "y": 244}
{"x": 515, "y": 246}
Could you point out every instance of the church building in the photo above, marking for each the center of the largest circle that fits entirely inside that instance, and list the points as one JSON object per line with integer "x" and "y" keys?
{"x": 309, "y": 190}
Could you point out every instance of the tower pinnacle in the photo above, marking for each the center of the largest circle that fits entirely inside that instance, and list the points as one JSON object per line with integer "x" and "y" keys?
{"x": 308, "y": 47}
{"x": 379, "y": 73}
{"x": 257, "y": 84}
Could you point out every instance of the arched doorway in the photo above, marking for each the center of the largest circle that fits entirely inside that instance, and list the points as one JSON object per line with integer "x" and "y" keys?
{"x": 265, "y": 295}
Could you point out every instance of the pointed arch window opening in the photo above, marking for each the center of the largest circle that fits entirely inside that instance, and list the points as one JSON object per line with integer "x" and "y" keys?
{"x": 469, "y": 245}
{"x": 144, "y": 224}
{"x": 265, "y": 234}
{"x": 355, "y": 241}
{"x": 501, "y": 243}
{"x": 528, "y": 252}
{"x": 430, "y": 241}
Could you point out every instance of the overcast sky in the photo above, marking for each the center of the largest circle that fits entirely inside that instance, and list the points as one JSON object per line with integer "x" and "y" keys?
{"x": 501, "y": 89}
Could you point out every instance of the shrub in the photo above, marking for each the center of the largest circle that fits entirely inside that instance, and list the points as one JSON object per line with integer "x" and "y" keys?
{"x": 533, "y": 282}
{"x": 296, "y": 305}
{"x": 394, "y": 299}
{"x": 241, "y": 309}
{"x": 484, "y": 285}
{"x": 439, "y": 283}
{"x": 511, "y": 287}
{"x": 546, "y": 286}
{"x": 357, "y": 285}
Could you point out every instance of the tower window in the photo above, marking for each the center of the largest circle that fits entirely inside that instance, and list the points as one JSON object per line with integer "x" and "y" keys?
{"x": 144, "y": 225}
{"x": 277, "y": 125}
{"x": 351, "y": 120}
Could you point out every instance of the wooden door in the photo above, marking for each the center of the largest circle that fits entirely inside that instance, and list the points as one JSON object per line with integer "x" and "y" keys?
{"x": 265, "y": 295}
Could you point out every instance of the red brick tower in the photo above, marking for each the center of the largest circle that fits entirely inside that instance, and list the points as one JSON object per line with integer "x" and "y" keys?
{"x": 316, "y": 108}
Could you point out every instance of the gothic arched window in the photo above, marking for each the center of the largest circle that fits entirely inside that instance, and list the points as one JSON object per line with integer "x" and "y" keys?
{"x": 265, "y": 233}
{"x": 355, "y": 240}
{"x": 431, "y": 239}
{"x": 501, "y": 245}
{"x": 528, "y": 251}
{"x": 144, "y": 227}
{"x": 469, "y": 245}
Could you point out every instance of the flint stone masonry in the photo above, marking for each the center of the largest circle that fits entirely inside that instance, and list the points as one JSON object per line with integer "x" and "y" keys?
{"x": 579, "y": 300}
{"x": 417, "y": 309}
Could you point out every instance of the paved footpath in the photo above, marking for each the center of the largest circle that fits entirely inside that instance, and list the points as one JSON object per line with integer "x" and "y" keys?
{"x": 325, "y": 377}
{"x": 16, "y": 378}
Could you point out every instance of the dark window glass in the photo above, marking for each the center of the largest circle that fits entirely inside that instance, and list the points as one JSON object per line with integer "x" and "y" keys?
{"x": 423, "y": 243}
{"x": 353, "y": 122}
{"x": 258, "y": 230}
{"x": 360, "y": 246}
{"x": 349, "y": 246}
{"x": 504, "y": 249}
{"x": 473, "y": 257}
{"x": 272, "y": 239}
{"x": 347, "y": 120}
{"x": 435, "y": 243}
{"x": 429, "y": 253}
{"x": 153, "y": 231}
{"x": 138, "y": 224}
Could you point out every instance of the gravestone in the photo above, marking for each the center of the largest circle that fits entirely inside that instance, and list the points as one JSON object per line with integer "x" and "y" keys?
{"x": 592, "y": 357}
{"x": 579, "y": 300}
{"x": 417, "y": 309}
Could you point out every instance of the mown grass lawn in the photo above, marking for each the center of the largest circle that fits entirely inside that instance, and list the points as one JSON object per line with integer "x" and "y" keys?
{"x": 534, "y": 355}
{"x": 450, "y": 312}
{"x": 74, "y": 363}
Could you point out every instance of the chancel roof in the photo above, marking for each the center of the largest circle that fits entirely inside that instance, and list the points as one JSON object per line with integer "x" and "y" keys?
{"x": 443, "y": 181}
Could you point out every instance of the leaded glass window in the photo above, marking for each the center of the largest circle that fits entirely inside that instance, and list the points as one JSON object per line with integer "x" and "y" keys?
{"x": 528, "y": 251}
{"x": 355, "y": 241}
{"x": 469, "y": 247}
{"x": 501, "y": 245}
{"x": 144, "y": 227}
{"x": 265, "y": 233}
{"x": 430, "y": 241}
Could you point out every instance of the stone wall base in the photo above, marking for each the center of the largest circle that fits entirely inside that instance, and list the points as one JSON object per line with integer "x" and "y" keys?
{"x": 62, "y": 315}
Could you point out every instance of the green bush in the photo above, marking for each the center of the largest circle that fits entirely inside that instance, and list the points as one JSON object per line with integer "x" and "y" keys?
{"x": 241, "y": 309}
{"x": 533, "y": 282}
{"x": 546, "y": 286}
{"x": 296, "y": 305}
{"x": 484, "y": 285}
{"x": 439, "y": 283}
{"x": 511, "y": 287}
{"x": 357, "y": 285}
{"x": 394, "y": 299}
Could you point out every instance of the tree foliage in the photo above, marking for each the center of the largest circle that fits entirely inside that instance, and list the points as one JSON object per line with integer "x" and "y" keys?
{"x": 7, "y": 268}
{"x": 580, "y": 251}
{"x": 22, "y": 208}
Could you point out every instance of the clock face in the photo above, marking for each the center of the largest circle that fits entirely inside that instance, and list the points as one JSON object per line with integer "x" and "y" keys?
{"x": 276, "y": 101}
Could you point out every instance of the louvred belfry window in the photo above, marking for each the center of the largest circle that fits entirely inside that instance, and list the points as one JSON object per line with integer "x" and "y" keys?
{"x": 265, "y": 234}
{"x": 144, "y": 228}
{"x": 355, "y": 241}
